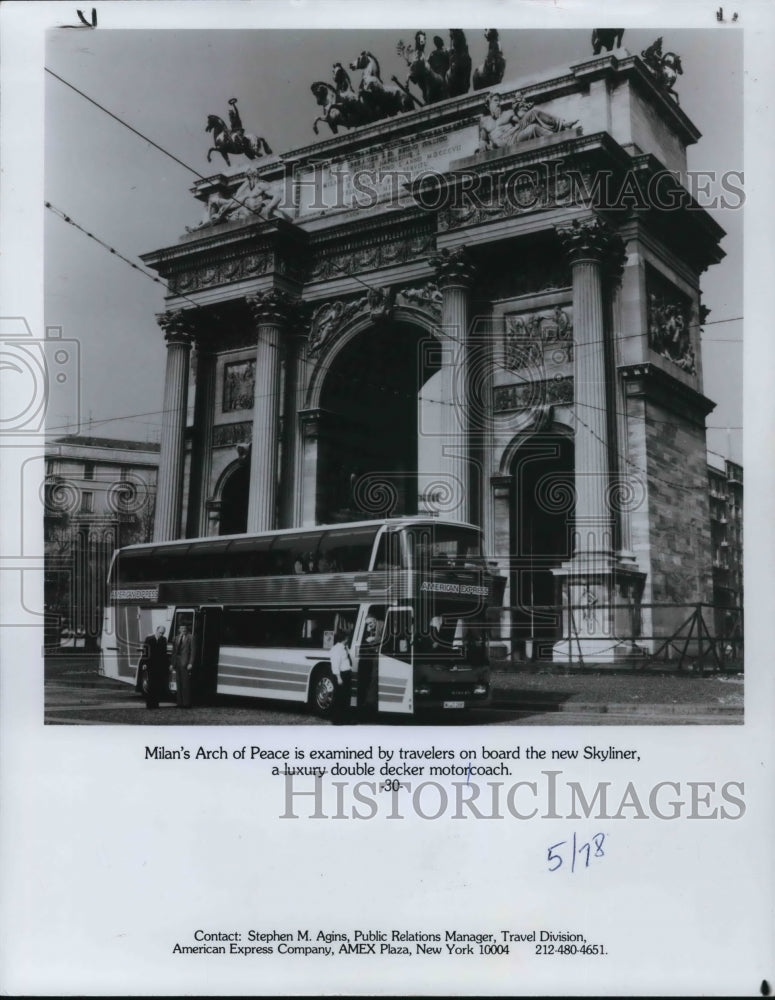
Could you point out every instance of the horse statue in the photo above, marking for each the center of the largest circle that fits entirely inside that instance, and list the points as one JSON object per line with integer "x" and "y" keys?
{"x": 341, "y": 105}
{"x": 490, "y": 73}
{"x": 666, "y": 68}
{"x": 606, "y": 38}
{"x": 226, "y": 141}
{"x": 333, "y": 114}
{"x": 382, "y": 100}
{"x": 459, "y": 73}
{"x": 421, "y": 73}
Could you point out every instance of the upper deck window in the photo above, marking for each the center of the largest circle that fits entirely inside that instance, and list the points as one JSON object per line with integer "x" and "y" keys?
{"x": 440, "y": 546}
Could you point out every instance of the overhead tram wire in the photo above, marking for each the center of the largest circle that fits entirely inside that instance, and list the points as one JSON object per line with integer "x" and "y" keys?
{"x": 201, "y": 176}
{"x": 355, "y": 277}
{"x": 70, "y": 221}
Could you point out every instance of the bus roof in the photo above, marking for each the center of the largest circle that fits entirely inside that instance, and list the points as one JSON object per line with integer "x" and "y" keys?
{"x": 395, "y": 522}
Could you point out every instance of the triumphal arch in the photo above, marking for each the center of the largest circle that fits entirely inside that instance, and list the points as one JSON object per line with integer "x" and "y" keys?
{"x": 485, "y": 306}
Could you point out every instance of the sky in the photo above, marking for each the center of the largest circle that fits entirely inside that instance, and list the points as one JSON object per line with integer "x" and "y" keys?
{"x": 165, "y": 83}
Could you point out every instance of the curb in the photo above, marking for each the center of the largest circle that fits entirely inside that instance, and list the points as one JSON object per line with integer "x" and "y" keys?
{"x": 620, "y": 708}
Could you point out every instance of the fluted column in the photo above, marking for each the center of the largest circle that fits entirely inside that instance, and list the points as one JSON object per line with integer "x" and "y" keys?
{"x": 587, "y": 244}
{"x": 202, "y": 451}
{"x": 455, "y": 275}
{"x": 270, "y": 311}
{"x": 600, "y": 595}
{"x": 178, "y": 333}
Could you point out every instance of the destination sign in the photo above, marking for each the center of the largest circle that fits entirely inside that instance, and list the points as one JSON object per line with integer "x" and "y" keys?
{"x": 454, "y": 588}
{"x": 136, "y": 594}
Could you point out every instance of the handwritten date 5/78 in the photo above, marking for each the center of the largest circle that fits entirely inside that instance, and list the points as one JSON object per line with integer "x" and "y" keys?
{"x": 572, "y": 854}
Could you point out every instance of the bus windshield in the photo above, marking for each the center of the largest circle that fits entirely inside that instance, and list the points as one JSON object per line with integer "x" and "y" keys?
{"x": 450, "y": 636}
{"x": 438, "y": 545}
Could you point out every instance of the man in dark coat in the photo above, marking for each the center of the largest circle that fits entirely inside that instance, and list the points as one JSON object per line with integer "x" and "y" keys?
{"x": 157, "y": 662}
{"x": 182, "y": 660}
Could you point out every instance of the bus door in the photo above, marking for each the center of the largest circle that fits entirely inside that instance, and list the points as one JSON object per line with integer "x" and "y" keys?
{"x": 395, "y": 670}
{"x": 207, "y": 646}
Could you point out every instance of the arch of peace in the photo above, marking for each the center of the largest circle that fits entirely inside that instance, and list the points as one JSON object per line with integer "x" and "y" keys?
{"x": 485, "y": 311}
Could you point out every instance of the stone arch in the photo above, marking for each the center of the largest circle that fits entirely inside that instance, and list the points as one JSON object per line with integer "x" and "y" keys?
{"x": 360, "y": 426}
{"x": 361, "y": 322}
{"x": 231, "y": 498}
{"x": 553, "y": 428}
{"x": 535, "y": 504}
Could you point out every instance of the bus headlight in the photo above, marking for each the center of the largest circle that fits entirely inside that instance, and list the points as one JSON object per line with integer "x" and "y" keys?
{"x": 423, "y": 692}
{"x": 480, "y": 689}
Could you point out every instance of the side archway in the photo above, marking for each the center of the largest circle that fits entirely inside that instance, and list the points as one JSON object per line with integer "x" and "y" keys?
{"x": 539, "y": 467}
{"x": 232, "y": 492}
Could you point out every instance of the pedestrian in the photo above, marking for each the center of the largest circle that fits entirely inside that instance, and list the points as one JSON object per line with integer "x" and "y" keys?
{"x": 157, "y": 663}
{"x": 342, "y": 669}
{"x": 182, "y": 661}
{"x": 367, "y": 665}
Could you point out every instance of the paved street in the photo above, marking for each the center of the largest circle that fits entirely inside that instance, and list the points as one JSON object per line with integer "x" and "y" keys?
{"x": 76, "y": 695}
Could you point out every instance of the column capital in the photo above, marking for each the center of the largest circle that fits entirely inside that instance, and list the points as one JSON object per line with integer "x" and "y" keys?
{"x": 274, "y": 306}
{"x": 179, "y": 326}
{"x": 453, "y": 268}
{"x": 590, "y": 240}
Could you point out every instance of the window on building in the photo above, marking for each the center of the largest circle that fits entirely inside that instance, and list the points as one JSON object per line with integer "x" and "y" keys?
{"x": 88, "y": 470}
{"x": 87, "y": 502}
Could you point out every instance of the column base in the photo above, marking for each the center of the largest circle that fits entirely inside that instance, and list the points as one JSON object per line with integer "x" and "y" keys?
{"x": 597, "y": 649}
{"x": 601, "y": 597}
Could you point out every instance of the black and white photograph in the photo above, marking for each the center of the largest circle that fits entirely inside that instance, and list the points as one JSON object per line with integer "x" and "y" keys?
{"x": 387, "y": 382}
{"x": 445, "y": 369}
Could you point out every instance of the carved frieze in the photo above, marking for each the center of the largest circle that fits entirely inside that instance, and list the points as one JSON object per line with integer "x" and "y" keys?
{"x": 510, "y": 193}
{"x": 228, "y": 435}
{"x": 529, "y": 336}
{"x": 327, "y": 322}
{"x": 239, "y": 383}
{"x": 330, "y": 318}
{"x": 221, "y": 273}
{"x": 526, "y": 395}
{"x": 669, "y": 322}
{"x": 426, "y": 297}
{"x": 327, "y": 264}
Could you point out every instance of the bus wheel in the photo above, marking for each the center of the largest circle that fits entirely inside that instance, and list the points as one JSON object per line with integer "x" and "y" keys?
{"x": 322, "y": 692}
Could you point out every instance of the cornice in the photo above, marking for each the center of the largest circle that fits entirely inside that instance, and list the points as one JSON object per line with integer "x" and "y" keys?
{"x": 649, "y": 381}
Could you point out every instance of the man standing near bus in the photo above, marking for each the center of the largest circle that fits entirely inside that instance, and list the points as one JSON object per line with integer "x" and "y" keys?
{"x": 156, "y": 663}
{"x": 342, "y": 669}
{"x": 182, "y": 661}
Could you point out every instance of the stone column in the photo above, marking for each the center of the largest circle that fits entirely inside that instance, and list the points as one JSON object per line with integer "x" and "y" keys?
{"x": 587, "y": 245}
{"x": 202, "y": 446}
{"x": 310, "y": 422}
{"x": 455, "y": 276}
{"x": 270, "y": 311}
{"x": 595, "y": 582}
{"x": 178, "y": 332}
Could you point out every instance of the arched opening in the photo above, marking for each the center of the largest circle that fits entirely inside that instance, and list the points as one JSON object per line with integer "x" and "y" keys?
{"x": 368, "y": 439}
{"x": 234, "y": 501}
{"x": 542, "y": 520}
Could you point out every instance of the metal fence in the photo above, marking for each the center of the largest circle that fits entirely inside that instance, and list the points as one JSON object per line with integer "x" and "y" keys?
{"x": 692, "y": 638}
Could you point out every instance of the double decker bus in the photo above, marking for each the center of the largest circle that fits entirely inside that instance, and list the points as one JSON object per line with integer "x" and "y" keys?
{"x": 412, "y": 595}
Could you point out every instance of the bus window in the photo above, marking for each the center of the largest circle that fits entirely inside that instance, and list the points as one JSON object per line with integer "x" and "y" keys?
{"x": 181, "y": 617}
{"x": 293, "y": 554}
{"x": 389, "y": 552}
{"x": 439, "y": 546}
{"x": 348, "y": 552}
{"x": 248, "y": 557}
